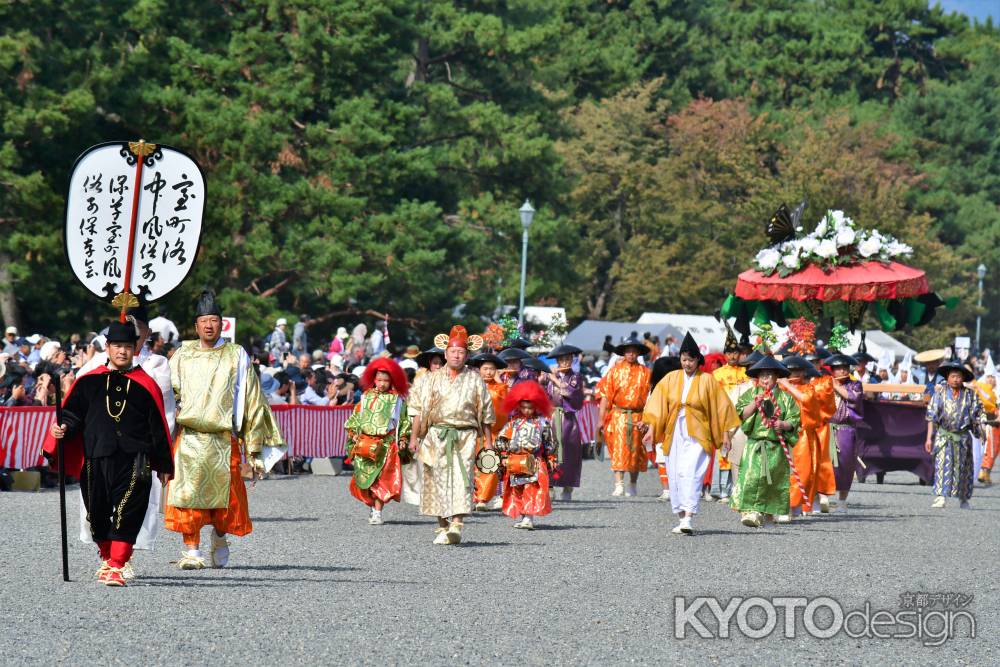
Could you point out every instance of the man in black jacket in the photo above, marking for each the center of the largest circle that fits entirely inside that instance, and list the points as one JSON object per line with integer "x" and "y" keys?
{"x": 115, "y": 434}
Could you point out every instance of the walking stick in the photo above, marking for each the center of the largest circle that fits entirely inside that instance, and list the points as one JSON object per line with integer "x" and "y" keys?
{"x": 62, "y": 481}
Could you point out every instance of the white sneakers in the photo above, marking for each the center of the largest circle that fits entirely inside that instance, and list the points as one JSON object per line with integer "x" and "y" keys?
{"x": 824, "y": 504}
{"x": 784, "y": 518}
{"x": 442, "y": 536}
{"x": 938, "y": 503}
{"x": 128, "y": 572}
{"x": 375, "y": 519}
{"x": 220, "y": 550}
{"x": 525, "y": 523}
{"x": 496, "y": 504}
{"x": 665, "y": 496}
{"x": 619, "y": 490}
{"x": 630, "y": 491}
{"x": 684, "y": 527}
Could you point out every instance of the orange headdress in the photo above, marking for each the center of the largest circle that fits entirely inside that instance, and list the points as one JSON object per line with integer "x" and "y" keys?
{"x": 458, "y": 337}
{"x": 527, "y": 391}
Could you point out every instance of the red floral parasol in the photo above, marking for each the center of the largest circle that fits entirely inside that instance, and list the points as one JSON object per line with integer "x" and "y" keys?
{"x": 867, "y": 281}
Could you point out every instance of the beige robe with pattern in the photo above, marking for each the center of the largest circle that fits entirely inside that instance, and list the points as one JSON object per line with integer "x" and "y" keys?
{"x": 442, "y": 402}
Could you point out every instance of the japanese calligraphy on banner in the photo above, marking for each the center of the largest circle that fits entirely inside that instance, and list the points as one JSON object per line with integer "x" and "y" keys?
{"x": 133, "y": 218}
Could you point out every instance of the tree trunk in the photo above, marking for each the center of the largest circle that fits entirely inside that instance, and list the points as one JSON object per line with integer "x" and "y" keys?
{"x": 9, "y": 312}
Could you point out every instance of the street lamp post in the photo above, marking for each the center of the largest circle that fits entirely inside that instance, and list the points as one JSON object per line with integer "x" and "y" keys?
{"x": 981, "y": 272}
{"x": 527, "y": 215}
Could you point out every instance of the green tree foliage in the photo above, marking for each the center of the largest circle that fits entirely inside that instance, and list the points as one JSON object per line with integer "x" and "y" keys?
{"x": 371, "y": 156}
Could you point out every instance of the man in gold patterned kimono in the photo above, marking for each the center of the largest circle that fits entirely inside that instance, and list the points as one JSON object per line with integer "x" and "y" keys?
{"x": 219, "y": 406}
{"x": 451, "y": 410}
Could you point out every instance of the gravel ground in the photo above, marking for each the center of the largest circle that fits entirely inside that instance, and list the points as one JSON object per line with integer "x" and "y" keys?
{"x": 595, "y": 583}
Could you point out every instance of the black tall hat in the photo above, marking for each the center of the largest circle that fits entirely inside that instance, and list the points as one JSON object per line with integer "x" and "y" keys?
{"x": 768, "y": 364}
{"x": 486, "y": 357}
{"x": 661, "y": 367}
{"x": 840, "y": 360}
{"x": 139, "y": 312}
{"x": 752, "y": 359}
{"x": 514, "y": 354}
{"x": 424, "y": 358}
{"x": 207, "y": 305}
{"x": 955, "y": 364}
{"x": 745, "y": 344}
{"x": 796, "y": 363}
{"x": 122, "y": 332}
{"x": 631, "y": 341}
{"x": 564, "y": 350}
{"x": 690, "y": 348}
{"x": 731, "y": 344}
{"x": 862, "y": 355}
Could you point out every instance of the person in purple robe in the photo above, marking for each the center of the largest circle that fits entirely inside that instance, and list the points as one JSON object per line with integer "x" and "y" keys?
{"x": 850, "y": 412}
{"x": 516, "y": 371}
{"x": 565, "y": 388}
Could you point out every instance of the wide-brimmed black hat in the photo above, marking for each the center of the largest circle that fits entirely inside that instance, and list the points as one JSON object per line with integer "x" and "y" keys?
{"x": 796, "y": 363}
{"x": 818, "y": 354}
{"x": 768, "y": 364}
{"x": 122, "y": 332}
{"x": 955, "y": 364}
{"x": 690, "y": 347}
{"x": 840, "y": 359}
{"x": 752, "y": 359}
{"x": 486, "y": 357}
{"x": 564, "y": 350}
{"x": 536, "y": 364}
{"x": 207, "y": 305}
{"x": 518, "y": 343}
{"x": 424, "y": 358}
{"x": 514, "y": 354}
{"x": 631, "y": 341}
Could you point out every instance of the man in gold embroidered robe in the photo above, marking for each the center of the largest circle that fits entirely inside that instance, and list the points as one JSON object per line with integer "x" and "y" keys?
{"x": 450, "y": 411}
{"x": 220, "y": 404}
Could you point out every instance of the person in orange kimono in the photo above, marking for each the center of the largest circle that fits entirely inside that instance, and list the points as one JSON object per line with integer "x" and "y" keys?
{"x": 985, "y": 387}
{"x": 730, "y": 376}
{"x": 487, "y": 496}
{"x": 815, "y": 415}
{"x": 528, "y": 432}
{"x": 825, "y": 477}
{"x": 623, "y": 396}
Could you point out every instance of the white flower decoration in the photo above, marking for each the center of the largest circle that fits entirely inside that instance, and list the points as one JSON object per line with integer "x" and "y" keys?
{"x": 790, "y": 261}
{"x": 768, "y": 258}
{"x": 869, "y": 247}
{"x": 827, "y": 248}
{"x": 808, "y": 244}
{"x": 845, "y": 237}
{"x": 837, "y": 219}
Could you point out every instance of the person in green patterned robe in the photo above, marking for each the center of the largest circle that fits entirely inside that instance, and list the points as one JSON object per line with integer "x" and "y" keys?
{"x": 380, "y": 417}
{"x": 761, "y": 490}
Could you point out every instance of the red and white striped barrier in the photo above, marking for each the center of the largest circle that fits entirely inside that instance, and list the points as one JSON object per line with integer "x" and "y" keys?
{"x": 22, "y": 433}
{"x": 308, "y": 430}
{"x": 587, "y": 419}
{"x": 313, "y": 430}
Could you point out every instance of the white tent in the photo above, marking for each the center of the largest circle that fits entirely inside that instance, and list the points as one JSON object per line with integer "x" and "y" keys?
{"x": 709, "y": 333}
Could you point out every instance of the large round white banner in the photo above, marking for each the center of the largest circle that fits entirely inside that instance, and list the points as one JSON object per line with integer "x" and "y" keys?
{"x": 158, "y": 187}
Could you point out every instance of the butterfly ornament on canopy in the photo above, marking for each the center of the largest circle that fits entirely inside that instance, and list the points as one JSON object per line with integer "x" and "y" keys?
{"x": 783, "y": 224}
